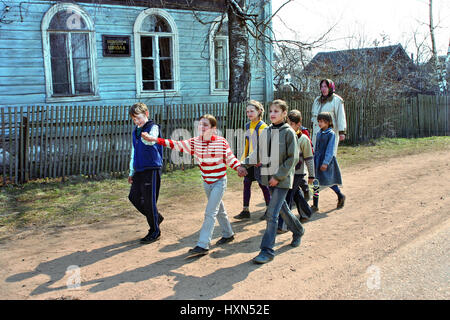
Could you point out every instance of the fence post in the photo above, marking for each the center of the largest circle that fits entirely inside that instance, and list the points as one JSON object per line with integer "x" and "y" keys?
{"x": 23, "y": 147}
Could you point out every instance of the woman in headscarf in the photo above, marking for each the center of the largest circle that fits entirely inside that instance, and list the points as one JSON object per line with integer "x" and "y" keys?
{"x": 334, "y": 104}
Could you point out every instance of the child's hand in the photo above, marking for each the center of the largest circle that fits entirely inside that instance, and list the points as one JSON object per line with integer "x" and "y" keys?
{"x": 273, "y": 182}
{"x": 310, "y": 180}
{"x": 324, "y": 167}
{"x": 130, "y": 179}
{"x": 242, "y": 172}
{"x": 148, "y": 137}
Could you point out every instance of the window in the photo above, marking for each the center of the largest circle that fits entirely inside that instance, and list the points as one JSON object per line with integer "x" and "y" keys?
{"x": 219, "y": 57}
{"x": 69, "y": 54}
{"x": 156, "y": 41}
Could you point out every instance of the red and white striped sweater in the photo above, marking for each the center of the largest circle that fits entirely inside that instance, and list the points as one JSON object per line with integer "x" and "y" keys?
{"x": 212, "y": 156}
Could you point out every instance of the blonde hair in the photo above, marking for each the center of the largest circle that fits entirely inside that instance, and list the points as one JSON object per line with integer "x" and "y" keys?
{"x": 258, "y": 106}
{"x": 138, "y": 108}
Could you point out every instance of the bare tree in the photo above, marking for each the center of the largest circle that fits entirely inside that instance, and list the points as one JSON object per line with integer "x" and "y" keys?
{"x": 438, "y": 69}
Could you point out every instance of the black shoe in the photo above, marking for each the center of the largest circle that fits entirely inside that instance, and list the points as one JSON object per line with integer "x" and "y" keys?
{"x": 341, "y": 202}
{"x": 149, "y": 238}
{"x": 224, "y": 240}
{"x": 314, "y": 208}
{"x": 303, "y": 219}
{"x": 160, "y": 219}
{"x": 198, "y": 251}
{"x": 245, "y": 214}
{"x": 264, "y": 216}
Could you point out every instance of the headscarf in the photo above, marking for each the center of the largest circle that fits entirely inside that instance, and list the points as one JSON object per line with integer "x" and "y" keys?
{"x": 331, "y": 89}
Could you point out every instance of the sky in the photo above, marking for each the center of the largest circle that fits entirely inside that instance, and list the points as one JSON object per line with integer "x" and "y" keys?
{"x": 365, "y": 20}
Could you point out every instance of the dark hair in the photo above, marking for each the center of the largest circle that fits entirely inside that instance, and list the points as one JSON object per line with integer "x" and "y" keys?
{"x": 138, "y": 108}
{"x": 212, "y": 120}
{"x": 295, "y": 116}
{"x": 326, "y": 116}
{"x": 330, "y": 85}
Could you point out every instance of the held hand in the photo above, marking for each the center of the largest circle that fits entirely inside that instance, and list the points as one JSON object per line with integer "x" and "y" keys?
{"x": 341, "y": 137}
{"x": 310, "y": 180}
{"x": 148, "y": 137}
{"x": 130, "y": 179}
{"x": 242, "y": 172}
{"x": 324, "y": 167}
{"x": 273, "y": 182}
{"x": 258, "y": 164}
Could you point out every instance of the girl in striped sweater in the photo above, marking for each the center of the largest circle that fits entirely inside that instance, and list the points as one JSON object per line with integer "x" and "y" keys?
{"x": 212, "y": 153}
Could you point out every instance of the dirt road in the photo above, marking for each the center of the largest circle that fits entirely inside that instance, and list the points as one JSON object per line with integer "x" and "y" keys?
{"x": 390, "y": 241}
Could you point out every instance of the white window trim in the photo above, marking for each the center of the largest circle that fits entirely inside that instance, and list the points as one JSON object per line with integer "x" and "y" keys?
{"x": 47, "y": 56}
{"x": 212, "y": 73}
{"x": 140, "y": 93}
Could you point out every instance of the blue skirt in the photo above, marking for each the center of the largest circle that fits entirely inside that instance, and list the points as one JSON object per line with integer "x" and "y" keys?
{"x": 329, "y": 177}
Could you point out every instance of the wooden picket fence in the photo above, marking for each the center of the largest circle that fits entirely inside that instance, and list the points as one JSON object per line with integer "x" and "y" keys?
{"x": 57, "y": 141}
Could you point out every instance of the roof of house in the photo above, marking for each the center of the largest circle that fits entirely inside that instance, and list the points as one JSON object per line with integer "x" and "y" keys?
{"x": 347, "y": 59}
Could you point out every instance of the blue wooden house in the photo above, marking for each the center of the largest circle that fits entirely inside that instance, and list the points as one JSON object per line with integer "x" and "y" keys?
{"x": 117, "y": 52}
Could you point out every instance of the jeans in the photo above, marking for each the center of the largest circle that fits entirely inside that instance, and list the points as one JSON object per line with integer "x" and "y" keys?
{"x": 214, "y": 208}
{"x": 278, "y": 206}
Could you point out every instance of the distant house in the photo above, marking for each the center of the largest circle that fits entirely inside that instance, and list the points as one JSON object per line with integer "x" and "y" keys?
{"x": 351, "y": 68}
{"x": 112, "y": 52}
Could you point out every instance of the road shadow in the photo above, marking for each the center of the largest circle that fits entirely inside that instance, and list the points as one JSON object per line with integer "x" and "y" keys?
{"x": 215, "y": 284}
{"x": 238, "y": 226}
{"x": 56, "y": 269}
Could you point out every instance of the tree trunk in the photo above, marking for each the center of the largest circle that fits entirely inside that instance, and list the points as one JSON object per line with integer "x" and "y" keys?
{"x": 437, "y": 68}
{"x": 239, "y": 56}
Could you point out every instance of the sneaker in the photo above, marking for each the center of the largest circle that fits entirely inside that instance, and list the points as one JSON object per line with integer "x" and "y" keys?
{"x": 224, "y": 240}
{"x": 245, "y": 214}
{"x": 149, "y": 238}
{"x": 341, "y": 202}
{"x": 314, "y": 208}
{"x": 198, "y": 251}
{"x": 262, "y": 258}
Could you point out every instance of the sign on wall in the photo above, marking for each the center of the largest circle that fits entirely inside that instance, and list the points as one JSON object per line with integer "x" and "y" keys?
{"x": 116, "y": 46}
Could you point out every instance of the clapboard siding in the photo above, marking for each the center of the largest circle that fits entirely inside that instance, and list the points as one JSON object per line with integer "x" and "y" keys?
{"x": 22, "y": 74}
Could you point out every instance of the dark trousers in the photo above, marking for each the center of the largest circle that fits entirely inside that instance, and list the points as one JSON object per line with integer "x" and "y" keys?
{"x": 248, "y": 179}
{"x": 295, "y": 194}
{"x": 304, "y": 210}
{"x": 144, "y": 195}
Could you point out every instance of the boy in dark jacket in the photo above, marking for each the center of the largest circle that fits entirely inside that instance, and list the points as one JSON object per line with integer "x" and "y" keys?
{"x": 145, "y": 171}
